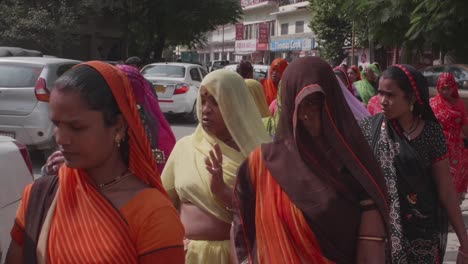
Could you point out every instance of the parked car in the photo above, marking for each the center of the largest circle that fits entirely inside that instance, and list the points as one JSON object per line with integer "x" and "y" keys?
{"x": 16, "y": 52}
{"x": 459, "y": 71}
{"x": 217, "y": 64}
{"x": 16, "y": 173}
{"x": 260, "y": 71}
{"x": 25, "y": 85}
{"x": 176, "y": 85}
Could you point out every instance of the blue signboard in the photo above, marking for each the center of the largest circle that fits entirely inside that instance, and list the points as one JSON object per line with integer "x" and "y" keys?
{"x": 292, "y": 44}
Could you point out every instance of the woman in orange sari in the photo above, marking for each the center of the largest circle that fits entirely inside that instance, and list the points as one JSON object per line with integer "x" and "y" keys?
{"x": 316, "y": 194}
{"x": 270, "y": 85}
{"x": 107, "y": 204}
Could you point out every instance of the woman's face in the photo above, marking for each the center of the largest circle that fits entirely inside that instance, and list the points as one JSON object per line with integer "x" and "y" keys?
{"x": 81, "y": 133}
{"x": 370, "y": 75}
{"x": 393, "y": 99}
{"x": 446, "y": 92}
{"x": 352, "y": 75}
{"x": 212, "y": 120}
{"x": 276, "y": 76}
{"x": 310, "y": 113}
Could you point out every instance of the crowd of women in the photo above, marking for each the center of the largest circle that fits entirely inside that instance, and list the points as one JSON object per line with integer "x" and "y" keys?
{"x": 314, "y": 178}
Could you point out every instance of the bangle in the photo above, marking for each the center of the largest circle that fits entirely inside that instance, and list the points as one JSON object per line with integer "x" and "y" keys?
{"x": 371, "y": 238}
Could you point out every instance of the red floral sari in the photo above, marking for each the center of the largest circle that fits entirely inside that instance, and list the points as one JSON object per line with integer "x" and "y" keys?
{"x": 453, "y": 116}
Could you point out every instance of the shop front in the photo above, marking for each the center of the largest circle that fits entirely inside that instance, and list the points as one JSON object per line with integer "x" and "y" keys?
{"x": 252, "y": 50}
{"x": 291, "y": 49}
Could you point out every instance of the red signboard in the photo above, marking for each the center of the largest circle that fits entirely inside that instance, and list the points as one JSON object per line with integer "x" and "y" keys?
{"x": 263, "y": 33}
{"x": 239, "y": 31}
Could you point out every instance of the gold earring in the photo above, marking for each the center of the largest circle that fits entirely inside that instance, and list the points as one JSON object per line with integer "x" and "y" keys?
{"x": 117, "y": 141}
{"x": 411, "y": 108}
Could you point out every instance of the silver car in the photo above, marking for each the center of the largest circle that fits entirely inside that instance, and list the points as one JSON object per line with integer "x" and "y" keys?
{"x": 176, "y": 85}
{"x": 25, "y": 85}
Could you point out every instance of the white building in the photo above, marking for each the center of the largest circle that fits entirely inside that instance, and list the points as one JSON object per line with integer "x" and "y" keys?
{"x": 269, "y": 29}
{"x": 294, "y": 36}
{"x": 220, "y": 45}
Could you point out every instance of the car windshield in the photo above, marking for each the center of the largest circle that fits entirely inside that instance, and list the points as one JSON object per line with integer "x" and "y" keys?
{"x": 165, "y": 71}
{"x": 19, "y": 76}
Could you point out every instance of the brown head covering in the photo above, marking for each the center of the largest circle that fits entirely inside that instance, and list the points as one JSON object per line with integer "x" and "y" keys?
{"x": 329, "y": 188}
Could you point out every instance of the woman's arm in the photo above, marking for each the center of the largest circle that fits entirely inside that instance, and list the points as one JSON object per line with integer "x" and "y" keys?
{"x": 448, "y": 198}
{"x": 371, "y": 241}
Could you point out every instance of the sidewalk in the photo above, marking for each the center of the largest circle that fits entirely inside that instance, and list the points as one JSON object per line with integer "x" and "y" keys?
{"x": 452, "y": 242}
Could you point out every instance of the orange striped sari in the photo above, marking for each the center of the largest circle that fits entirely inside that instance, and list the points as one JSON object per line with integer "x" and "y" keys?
{"x": 269, "y": 87}
{"x": 282, "y": 233}
{"x": 86, "y": 227}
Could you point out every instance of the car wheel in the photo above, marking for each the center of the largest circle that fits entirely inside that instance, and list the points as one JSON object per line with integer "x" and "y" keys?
{"x": 192, "y": 116}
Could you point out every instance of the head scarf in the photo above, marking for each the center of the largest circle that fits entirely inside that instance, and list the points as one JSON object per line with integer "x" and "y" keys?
{"x": 348, "y": 83}
{"x": 160, "y": 135}
{"x": 356, "y": 70}
{"x": 447, "y": 79}
{"x": 349, "y": 155}
{"x": 256, "y": 90}
{"x": 245, "y": 69}
{"x": 81, "y": 208}
{"x": 269, "y": 87}
{"x": 401, "y": 161}
{"x": 237, "y": 107}
{"x": 365, "y": 89}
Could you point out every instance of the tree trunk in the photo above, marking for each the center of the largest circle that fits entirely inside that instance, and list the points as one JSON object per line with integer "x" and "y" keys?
{"x": 158, "y": 47}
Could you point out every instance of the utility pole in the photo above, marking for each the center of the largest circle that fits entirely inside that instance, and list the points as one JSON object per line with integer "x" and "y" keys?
{"x": 222, "y": 47}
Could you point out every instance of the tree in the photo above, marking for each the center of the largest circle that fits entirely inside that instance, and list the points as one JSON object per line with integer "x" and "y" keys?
{"x": 153, "y": 25}
{"x": 443, "y": 24}
{"x": 332, "y": 27}
{"x": 44, "y": 24}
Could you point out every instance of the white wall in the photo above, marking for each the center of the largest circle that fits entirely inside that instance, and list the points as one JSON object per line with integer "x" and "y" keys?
{"x": 258, "y": 15}
{"x": 291, "y": 19}
{"x": 229, "y": 34}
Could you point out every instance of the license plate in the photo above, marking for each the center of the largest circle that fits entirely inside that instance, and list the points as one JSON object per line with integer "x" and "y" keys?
{"x": 160, "y": 88}
{"x": 8, "y": 134}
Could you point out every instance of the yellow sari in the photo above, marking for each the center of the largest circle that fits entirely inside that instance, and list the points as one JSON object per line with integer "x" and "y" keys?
{"x": 185, "y": 177}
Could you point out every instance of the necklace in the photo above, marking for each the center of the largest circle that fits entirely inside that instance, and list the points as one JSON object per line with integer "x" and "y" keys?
{"x": 412, "y": 128}
{"x": 115, "y": 180}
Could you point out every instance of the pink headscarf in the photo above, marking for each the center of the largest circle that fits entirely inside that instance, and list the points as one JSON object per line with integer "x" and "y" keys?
{"x": 163, "y": 140}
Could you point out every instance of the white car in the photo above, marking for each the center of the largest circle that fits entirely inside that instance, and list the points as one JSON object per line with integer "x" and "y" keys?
{"x": 16, "y": 173}
{"x": 25, "y": 84}
{"x": 176, "y": 85}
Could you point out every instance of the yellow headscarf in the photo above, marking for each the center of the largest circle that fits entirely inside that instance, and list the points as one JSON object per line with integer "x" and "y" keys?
{"x": 256, "y": 90}
{"x": 185, "y": 177}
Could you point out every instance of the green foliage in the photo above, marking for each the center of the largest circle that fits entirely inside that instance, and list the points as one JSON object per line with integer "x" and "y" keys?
{"x": 45, "y": 24}
{"x": 153, "y": 25}
{"x": 332, "y": 27}
{"x": 441, "y": 23}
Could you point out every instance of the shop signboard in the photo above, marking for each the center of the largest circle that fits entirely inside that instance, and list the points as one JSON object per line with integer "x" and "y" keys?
{"x": 239, "y": 31}
{"x": 291, "y": 45}
{"x": 248, "y": 45}
{"x": 263, "y": 33}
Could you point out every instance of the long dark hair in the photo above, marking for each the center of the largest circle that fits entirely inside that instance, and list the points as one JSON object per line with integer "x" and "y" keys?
{"x": 418, "y": 89}
{"x": 96, "y": 93}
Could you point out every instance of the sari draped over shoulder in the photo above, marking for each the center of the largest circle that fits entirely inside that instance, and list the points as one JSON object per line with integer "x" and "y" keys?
{"x": 256, "y": 90}
{"x": 418, "y": 220}
{"x": 84, "y": 226}
{"x": 453, "y": 117}
{"x": 269, "y": 86}
{"x": 185, "y": 176}
{"x": 292, "y": 193}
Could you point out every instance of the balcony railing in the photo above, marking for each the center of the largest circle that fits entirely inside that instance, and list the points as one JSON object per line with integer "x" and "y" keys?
{"x": 289, "y": 2}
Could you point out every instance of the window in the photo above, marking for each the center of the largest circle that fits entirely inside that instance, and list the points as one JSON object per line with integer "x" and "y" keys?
{"x": 203, "y": 72}
{"x": 284, "y": 29}
{"x": 271, "y": 28}
{"x": 19, "y": 76}
{"x": 195, "y": 75}
{"x": 300, "y": 27}
{"x": 63, "y": 68}
{"x": 165, "y": 71}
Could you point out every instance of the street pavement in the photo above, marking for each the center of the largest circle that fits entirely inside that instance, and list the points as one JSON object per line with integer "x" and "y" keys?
{"x": 182, "y": 129}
